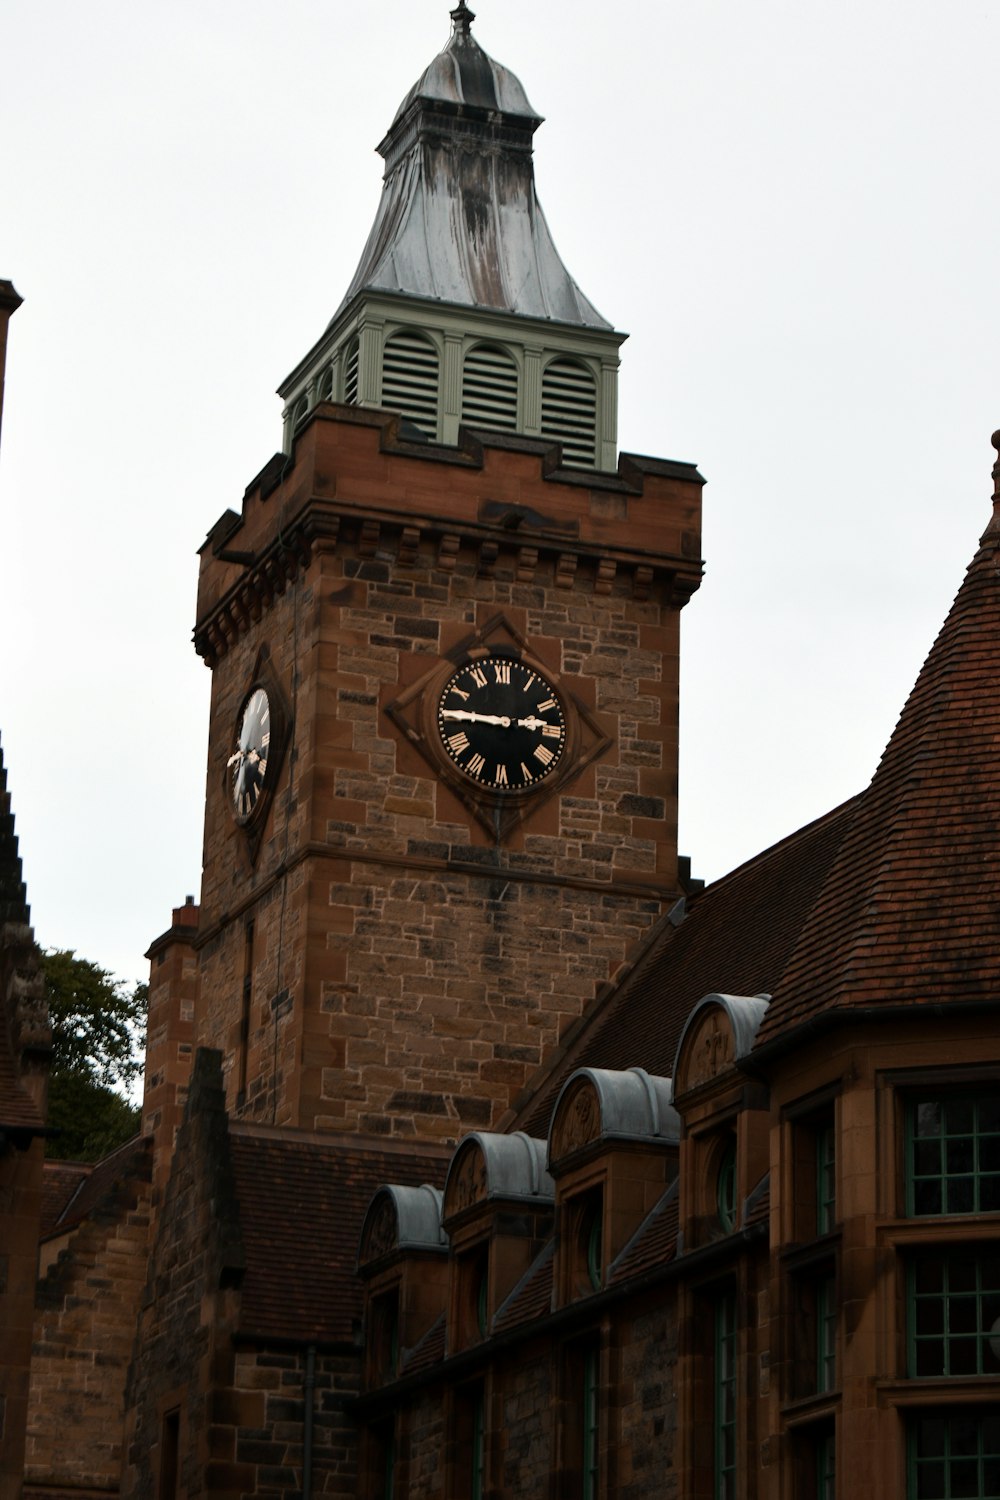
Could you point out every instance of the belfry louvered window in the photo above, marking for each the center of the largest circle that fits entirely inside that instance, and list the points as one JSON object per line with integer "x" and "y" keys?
{"x": 351, "y": 373}
{"x": 410, "y": 377}
{"x": 569, "y": 410}
{"x": 489, "y": 389}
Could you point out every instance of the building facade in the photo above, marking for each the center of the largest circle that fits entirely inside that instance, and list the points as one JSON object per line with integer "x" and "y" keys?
{"x": 484, "y": 1154}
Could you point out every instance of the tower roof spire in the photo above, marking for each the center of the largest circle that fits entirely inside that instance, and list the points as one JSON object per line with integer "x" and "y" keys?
{"x": 461, "y": 19}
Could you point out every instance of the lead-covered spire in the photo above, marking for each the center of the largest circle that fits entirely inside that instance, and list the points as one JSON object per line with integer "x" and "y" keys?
{"x": 461, "y": 310}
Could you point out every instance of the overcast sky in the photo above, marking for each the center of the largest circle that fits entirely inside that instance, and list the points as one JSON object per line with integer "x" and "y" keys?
{"x": 792, "y": 207}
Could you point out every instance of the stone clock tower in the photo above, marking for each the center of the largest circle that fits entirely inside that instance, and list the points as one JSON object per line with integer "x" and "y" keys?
{"x": 443, "y": 636}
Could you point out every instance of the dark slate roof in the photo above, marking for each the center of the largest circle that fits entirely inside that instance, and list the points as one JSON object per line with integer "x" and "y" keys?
{"x": 532, "y": 1297}
{"x": 735, "y": 938}
{"x": 429, "y": 1351}
{"x": 302, "y": 1203}
{"x": 654, "y": 1242}
{"x": 910, "y": 912}
{"x": 106, "y": 1187}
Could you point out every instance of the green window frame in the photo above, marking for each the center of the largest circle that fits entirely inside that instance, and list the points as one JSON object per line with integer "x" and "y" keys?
{"x": 826, "y": 1334}
{"x": 953, "y": 1454}
{"x": 591, "y": 1426}
{"x": 595, "y": 1258}
{"x": 953, "y": 1154}
{"x": 953, "y": 1314}
{"x": 389, "y": 1466}
{"x": 826, "y": 1472}
{"x": 725, "y": 1188}
{"x": 826, "y": 1179}
{"x": 724, "y": 1406}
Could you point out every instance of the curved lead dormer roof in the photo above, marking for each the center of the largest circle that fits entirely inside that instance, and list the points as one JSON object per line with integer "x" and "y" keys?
{"x": 464, "y": 74}
{"x": 459, "y": 221}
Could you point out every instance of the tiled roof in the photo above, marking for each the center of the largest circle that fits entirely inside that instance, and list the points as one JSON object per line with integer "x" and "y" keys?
{"x": 60, "y": 1180}
{"x": 654, "y": 1242}
{"x": 429, "y": 1352}
{"x": 100, "y": 1189}
{"x": 302, "y": 1203}
{"x": 736, "y": 938}
{"x": 532, "y": 1297}
{"x": 909, "y": 913}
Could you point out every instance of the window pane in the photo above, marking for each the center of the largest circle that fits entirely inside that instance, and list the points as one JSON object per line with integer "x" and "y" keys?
{"x": 953, "y": 1155}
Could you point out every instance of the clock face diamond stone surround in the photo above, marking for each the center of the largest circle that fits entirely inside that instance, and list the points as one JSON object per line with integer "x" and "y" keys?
{"x": 502, "y": 723}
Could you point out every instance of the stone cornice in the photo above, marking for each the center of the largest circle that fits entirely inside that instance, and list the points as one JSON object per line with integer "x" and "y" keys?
{"x": 397, "y": 538}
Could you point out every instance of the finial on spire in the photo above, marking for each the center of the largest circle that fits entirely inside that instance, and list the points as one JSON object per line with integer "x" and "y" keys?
{"x": 995, "y": 440}
{"x": 462, "y": 18}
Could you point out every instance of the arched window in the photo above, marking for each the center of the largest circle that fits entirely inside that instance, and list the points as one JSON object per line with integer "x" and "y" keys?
{"x": 569, "y": 410}
{"x": 324, "y": 385}
{"x": 489, "y": 389}
{"x": 299, "y": 412}
{"x": 410, "y": 379}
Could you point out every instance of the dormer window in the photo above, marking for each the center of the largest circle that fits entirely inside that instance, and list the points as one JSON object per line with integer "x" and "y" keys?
{"x": 725, "y": 1187}
{"x": 585, "y": 1237}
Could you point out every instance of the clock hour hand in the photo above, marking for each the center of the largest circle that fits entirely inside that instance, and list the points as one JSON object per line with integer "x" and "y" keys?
{"x": 237, "y": 755}
{"x": 532, "y": 722}
{"x": 473, "y": 718}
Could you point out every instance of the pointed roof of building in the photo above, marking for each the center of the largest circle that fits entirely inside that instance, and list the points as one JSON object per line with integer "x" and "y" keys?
{"x": 909, "y": 913}
{"x": 459, "y": 220}
{"x": 736, "y": 937}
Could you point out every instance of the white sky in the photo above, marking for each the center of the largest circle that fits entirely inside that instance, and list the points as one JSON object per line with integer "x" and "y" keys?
{"x": 792, "y": 207}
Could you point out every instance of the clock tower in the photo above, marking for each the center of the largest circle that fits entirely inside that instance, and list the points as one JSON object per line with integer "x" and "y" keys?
{"x": 443, "y": 636}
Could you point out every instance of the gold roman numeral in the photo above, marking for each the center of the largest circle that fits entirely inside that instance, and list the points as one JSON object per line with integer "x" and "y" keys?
{"x": 476, "y": 764}
{"x": 544, "y": 754}
{"x": 458, "y": 742}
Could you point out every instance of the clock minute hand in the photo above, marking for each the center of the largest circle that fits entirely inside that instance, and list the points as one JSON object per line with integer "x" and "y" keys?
{"x": 237, "y": 755}
{"x": 468, "y": 717}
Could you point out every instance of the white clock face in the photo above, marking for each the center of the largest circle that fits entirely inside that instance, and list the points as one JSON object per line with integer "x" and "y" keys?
{"x": 501, "y": 723}
{"x": 248, "y": 763}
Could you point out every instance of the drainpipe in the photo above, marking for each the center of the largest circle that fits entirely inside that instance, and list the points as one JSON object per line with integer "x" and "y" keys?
{"x": 307, "y": 1428}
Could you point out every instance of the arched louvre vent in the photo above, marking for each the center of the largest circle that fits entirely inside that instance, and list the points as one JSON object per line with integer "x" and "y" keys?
{"x": 351, "y": 373}
{"x": 569, "y": 410}
{"x": 324, "y": 386}
{"x": 300, "y": 411}
{"x": 489, "y": 389}
{"x": 410, "y": 379}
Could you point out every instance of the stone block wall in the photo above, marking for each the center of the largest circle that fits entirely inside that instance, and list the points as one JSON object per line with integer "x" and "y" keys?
{"x": 84, "y": 1329}
{"x": 404, "y": 968}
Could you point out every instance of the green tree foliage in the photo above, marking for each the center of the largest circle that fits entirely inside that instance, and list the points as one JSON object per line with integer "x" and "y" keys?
{"x": 96, "y": 1025}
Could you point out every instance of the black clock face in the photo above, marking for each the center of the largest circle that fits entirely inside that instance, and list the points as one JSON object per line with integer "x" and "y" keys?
{"x": 502, "y": 724}
{"x": 248, "y": 763}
